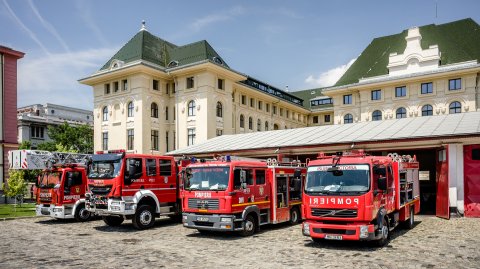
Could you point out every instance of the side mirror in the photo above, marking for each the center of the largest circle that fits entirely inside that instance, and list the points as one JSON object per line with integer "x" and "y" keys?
{"x": 243, "y": 176}
{"x": 382, "y": 183}
{"x": 297, "y": 174}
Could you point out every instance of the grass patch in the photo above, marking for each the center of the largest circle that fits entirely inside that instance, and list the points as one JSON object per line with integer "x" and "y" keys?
{"x": 12, "y": 211}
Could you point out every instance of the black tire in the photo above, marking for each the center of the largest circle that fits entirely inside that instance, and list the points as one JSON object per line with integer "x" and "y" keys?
{"x": 249, "y": 226}
{"x": 385, "y": 234}
{"x": 112, "y": 220}
{"x": 82, "y": 214}
{"x": 144, "y": 217}
{"x": 408, "y": 224}
{"x": 295, "y": 216}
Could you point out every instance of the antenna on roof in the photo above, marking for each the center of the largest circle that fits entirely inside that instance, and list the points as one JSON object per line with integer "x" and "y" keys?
{"x": 286, "y": 88}
{"x": 143, "y": 26}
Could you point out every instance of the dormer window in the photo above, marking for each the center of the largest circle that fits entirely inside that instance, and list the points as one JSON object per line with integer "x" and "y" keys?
{"x": 217, "y": 60}
{"x": 172, "y": 64}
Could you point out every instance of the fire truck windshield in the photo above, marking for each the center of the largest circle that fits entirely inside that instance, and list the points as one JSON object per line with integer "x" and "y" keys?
{"x": 345, "y": 179}
{"x": 104, "y": 169}
{"x": 49, "y": 179}
{"x": 207, "y": 178}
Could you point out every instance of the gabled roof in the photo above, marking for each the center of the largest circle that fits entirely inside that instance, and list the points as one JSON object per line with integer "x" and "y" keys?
{"x": 147, "y": 47}
{"x": 431, "y": 127}
{"x": 457, "y": 41}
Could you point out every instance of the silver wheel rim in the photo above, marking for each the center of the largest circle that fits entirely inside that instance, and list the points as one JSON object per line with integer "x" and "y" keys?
{"x": 248, "y": 226}
{"x": 145, "y": 217}
{"x": 385, "y": 232}
{"x": 84, "y": 214}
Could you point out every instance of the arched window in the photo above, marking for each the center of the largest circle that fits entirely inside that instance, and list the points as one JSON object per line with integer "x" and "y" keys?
{"x": 266, "y": 126}
{"x": 242, "y": 121}
{"x": 154, "y": 110}
{"x": 191, "y": 108}
{"x": 455, "y": 107}
{"x": 130, "y": 109}
{"x": 401, "y": 113}
{"x": 219, "y": 110}
{"x": 377, "y": 115}
{"x": 275, "y": 126}
{"x": 250, "y": 123}
{"x": 105, "y": 113}
{"x": 259, "y": 125}
{"x": 427, "y": 110}
{"x": 348, "y": 118}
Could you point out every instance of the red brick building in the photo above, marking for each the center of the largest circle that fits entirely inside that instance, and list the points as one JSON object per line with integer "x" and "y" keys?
{"x": 8, "y": 106}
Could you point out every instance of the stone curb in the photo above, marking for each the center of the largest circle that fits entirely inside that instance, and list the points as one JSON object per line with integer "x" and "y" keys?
{"x": 28, "y": 217}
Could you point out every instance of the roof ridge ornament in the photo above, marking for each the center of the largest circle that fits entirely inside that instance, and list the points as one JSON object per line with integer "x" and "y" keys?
{"x": 143, "y": 26}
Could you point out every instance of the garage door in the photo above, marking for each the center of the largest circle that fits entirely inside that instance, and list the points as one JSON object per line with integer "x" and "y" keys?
{"x": 472, "y": 180}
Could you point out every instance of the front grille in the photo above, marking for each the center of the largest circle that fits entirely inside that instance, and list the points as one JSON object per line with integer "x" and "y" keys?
{"x": 335, "y": 213}
{"x": 201, "y": 223}
{"x": 333, "y": 231}
{"x": 203, "y": 203}
{"x": 104, "y": 190}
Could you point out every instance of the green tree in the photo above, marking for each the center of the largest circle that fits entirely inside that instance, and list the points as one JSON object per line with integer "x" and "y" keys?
{"x": 16, "y": 185}
{"x": 48, "y": 146}
{"x": 25, "y": 145}
{"x": 71, "y": 138}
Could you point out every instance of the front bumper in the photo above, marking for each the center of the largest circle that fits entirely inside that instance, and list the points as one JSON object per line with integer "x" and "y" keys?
{"x": 111, "y": 207}
{"x": 359, "y": 232}
{"x": 58, "y": 212}
{"x": 212, "y": 222}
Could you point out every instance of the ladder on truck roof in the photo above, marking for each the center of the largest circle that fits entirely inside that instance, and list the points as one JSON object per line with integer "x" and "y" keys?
{"x": 39, "y": 159}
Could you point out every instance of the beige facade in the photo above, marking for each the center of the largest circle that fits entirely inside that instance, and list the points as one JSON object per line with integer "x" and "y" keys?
{"x": 167, "y": 112}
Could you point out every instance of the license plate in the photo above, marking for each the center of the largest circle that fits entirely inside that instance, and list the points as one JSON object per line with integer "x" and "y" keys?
{"x": 202, "y": 219}
{"x": 333, "y": 237}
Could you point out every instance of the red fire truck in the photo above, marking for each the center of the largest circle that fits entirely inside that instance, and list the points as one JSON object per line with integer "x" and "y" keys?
{"x": 62, "y": 183}
{"x": 241, "y": 195}
{"x": 133, "y": 186}
{"x": 359, "y": 197}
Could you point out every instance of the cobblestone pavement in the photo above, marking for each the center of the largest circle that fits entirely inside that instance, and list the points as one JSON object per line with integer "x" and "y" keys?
{"x": 46, "y": 243}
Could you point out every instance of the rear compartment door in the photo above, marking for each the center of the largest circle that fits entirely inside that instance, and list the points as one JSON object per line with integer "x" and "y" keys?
{"x": 472, "y": 180}
{"x": 443, "y": 209}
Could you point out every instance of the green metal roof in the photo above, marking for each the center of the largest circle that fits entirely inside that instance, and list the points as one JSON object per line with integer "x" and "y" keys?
{"x": 457, "y": 41}
{"x": 147, "y": 47}
{"x": 307, "y": 95}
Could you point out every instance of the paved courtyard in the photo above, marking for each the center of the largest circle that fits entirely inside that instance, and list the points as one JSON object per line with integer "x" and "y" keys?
{"x": 46, "y": 243}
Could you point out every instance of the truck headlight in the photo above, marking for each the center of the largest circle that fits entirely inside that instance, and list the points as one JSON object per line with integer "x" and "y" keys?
{"x": 363, "y": 231}
{"x": 306, "y": 228}
{"x": 225, "y": 220}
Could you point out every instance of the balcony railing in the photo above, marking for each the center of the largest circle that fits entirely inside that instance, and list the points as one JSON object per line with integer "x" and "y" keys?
{"x": 272, "y": 91}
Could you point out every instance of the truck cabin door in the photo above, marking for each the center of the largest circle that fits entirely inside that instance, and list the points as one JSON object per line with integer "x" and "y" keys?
{"x": 74, "y": 186}
{"x": 243, "y": 181}
{"x": 133, "y": 179}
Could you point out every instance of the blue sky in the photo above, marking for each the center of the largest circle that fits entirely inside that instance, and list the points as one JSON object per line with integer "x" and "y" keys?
{"x": 302, "y": 44}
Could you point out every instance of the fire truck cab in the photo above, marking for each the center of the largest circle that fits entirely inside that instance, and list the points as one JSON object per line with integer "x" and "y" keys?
{"x": 61, "y": 185}
{"x": 359, "y": 197}
{"x": 133, "y": 186}
{"x": 240, "y": 195}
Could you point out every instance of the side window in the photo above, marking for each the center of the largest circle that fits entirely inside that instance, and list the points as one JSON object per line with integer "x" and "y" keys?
{"x": 151, "y": 165}
{"x": 136, "y": 164}
{"x": 165, "y": 167}
{"x": 249, "y": 176}
{"x": 259, "y": 177}
{"x": 236, "y": 179}
{"x": 76, "y": 177}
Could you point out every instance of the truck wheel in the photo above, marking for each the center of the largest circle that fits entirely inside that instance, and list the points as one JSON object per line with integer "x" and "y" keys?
{"x": 144, "y": 217}
{"x": 112, "y": 220}
{"x": 385, "y": 234}
{"x": 249, "y": 226}
{"x": 294, "y": 216}
{"x": 411, "y": 221}
{"x": 82, "y": 214}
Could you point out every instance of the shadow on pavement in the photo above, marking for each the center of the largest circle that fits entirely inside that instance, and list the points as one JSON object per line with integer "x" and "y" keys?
{"x": 358, "y": 245}
{"x": 127, "y": 226}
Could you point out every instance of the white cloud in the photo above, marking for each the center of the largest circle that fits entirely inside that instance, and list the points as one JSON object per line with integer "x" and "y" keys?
{"x": 53, "y": 78}
{"x": 30, "y": 33}
{"x": 48, "y": 26}
{"x": 329, "y": 77}
{"x": 203, "y": 22}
